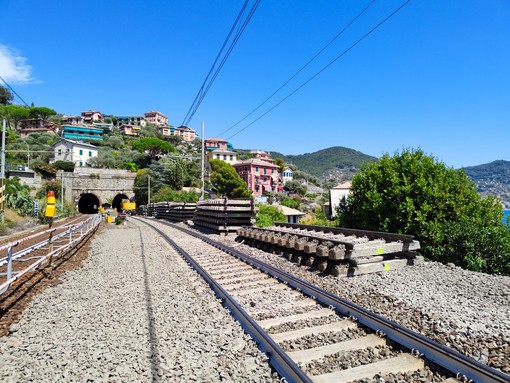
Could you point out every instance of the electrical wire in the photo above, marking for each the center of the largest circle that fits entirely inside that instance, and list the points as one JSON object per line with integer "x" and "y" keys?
{"x": 207, "y": 84}
{"x": 302, "y": 68}
{"x": 13, "y": 91}
{"x": 200, "y": 91}
{"x": 325, "y": 67}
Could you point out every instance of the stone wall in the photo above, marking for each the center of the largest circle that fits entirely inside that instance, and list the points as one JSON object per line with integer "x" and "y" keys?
{"x": 104, "y": 183}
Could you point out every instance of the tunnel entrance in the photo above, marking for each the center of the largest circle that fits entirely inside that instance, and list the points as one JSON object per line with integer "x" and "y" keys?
{"x": 117, "y": 201}
{"x": 88, "y": 204}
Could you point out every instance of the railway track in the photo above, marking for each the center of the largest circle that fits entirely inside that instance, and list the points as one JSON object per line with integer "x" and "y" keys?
{"x": 29, "y": 252}
{"x": 311, "y": 335}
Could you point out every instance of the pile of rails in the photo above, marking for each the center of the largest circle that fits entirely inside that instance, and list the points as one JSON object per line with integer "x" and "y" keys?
{"x": 174, "y": 211}
{"x": 217, "y": 214}
{"x": 224, "y": 214}
{"x": 341, "y": 251}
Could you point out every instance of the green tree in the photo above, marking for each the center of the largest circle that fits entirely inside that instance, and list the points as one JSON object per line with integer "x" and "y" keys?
{"x": 153, "y": 146}
{"x": 46, "y": 170}
{"x": 6, "y": 96}
{"x": 227, "y": 182}
{"x": 41, "y": 112}
{"x": 140, "y": 187}
{"x": 267, "y": 215}
{"x": 411, "y": 193}
{"x": 67, "y": 166}
{"x": 14, "y": 114}
{"x": 295, "y": 187}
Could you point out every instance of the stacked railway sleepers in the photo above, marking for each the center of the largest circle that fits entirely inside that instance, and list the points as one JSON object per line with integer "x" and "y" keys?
{"x": 339, "y": 251}
{"x": 224, "y": 214}
{"x": 174, "y": 211}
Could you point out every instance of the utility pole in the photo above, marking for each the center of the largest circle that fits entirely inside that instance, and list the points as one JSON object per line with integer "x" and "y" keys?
{"x": 2, "y": 176}
{"x": 62, "y": 190}
{"x": 28, "y": 155}
{"x": 202, "y": 179}
{"x": 148, "y": 190}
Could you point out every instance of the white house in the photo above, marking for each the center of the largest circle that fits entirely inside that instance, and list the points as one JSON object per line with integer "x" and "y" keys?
{"x": 74, "y": 151}
{"x": 292, "y": 215}
{"x": 336, "y": 193}
{"x": 287, "y": 175}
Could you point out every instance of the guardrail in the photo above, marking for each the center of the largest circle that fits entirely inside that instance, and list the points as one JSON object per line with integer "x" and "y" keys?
{"x": 74, "y": 233}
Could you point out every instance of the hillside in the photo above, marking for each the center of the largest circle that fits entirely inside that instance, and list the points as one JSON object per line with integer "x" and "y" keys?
{"x": 492, "y": 179}
{"x": 336, "y": 162}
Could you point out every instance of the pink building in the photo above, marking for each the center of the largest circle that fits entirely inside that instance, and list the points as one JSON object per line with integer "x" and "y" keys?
{"x": 156, "y": 118}
{"x": 91, "y": 116}
{"x": 260, "y": 174}
{"x": 216, "y": 143}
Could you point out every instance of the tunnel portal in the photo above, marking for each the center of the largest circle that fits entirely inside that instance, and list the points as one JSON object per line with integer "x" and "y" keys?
{"x": 117, "y": 201}
{"x": 88, "y": 204}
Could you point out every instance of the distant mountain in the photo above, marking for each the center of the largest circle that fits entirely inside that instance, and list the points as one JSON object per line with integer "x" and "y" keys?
{"x": 492, "y": 179}
{"x": 336, "y": 162}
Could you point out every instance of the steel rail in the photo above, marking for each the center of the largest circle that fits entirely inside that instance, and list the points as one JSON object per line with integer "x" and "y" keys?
{"x": 91, "y": 224}
{"x": 343, "y": 230}
{"x": 9, "y": 244}
{"x": 348, "y": 245}
{"x": 277, "y": 357}
{"x": 450, "y": 359}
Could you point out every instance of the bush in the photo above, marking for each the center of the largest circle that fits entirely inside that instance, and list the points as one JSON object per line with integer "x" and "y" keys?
{"x": 67, "y": 166}
{"x": 411, "y": 193}
{"x": 292, "y": 203}
{"x": 167, "y": 194}
{"x": 267, "y": 215}
{"x": 319, "y": 219}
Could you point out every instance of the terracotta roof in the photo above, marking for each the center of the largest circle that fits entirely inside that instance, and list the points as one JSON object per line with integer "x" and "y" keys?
{"x": 289, "y": 211}
{"x": 256, "y": 161}
{"x": 345, "y": 185}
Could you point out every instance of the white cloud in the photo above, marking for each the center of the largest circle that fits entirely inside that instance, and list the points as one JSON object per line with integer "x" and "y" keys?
{"x": 14, "y": 68}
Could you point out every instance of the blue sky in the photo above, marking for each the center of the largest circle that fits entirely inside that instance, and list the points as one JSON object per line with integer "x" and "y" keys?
{"x": 436, "y": 75}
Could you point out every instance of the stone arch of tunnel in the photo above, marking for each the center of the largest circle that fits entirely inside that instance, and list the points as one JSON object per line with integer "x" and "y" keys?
{"x": 117, "y": 201}
{"x": 88, "y": 203}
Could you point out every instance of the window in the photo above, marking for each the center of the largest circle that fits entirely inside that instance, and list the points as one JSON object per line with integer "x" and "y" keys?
{"x": 81, "y": 152}
{"x": 272, "y": 171}
{"x": 224, "y": 157}
{"x": 256, "y": 169}
{"x": 81, "y": 163}
{"x": 90, "y": 154}
{"x": 218, "y": 156}
{"x": 265, "y": 170}
{"x": 60, "y": 152}
{"x": 231, "y": 157}
{"x": 265, "y": 179}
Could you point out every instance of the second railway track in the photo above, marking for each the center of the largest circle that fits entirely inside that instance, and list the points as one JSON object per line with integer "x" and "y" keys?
{"x": 312, "y": 335}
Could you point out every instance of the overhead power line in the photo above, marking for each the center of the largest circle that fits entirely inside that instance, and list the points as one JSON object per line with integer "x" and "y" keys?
{"x": 213, "y": 73}
{"x": 13, "y": 91}
{"x": 302, "y": 68}
{"x": 325, "y": 67}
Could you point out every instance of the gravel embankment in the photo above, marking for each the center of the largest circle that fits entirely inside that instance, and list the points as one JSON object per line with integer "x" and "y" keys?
{"x": 130, "y": 314}
{"x": 462, "y": 309}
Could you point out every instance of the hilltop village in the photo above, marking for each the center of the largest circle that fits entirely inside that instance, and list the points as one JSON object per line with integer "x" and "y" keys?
{"x": 96, "y": 140}
{"x": 103, "y": 141}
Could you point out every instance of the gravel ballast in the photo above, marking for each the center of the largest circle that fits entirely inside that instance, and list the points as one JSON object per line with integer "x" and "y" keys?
{"x": 465, "y": 310}
{"x": 134, "y": 312}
